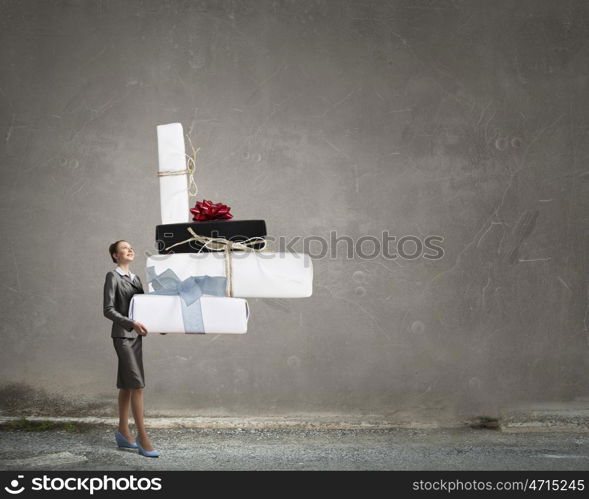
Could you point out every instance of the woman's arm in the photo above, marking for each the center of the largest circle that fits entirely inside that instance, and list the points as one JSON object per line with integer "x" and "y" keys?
{"x": 140, "y": 283}
{"x": 109, "y": 304}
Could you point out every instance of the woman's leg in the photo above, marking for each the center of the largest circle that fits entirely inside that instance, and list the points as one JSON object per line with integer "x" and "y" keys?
{"x": 137, "y": 407}
{"x": 124, "y": 404}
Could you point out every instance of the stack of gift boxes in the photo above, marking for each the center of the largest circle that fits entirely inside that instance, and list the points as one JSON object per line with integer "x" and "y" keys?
{"x": 205, "y": 269}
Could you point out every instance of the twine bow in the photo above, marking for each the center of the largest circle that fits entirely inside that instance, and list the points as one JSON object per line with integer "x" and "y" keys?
{"x": 227, "y": 246}
{"x": 190, "y": 167}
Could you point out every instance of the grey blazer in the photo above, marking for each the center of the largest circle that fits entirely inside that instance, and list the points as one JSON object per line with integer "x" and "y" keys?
{"x": 118, "y": 291}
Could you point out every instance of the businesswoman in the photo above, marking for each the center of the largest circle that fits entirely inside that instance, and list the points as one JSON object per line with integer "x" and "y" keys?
{"x": 127, "y": 335}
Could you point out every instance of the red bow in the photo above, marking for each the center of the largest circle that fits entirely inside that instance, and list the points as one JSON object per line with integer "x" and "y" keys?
{"x": 207, "y": 210}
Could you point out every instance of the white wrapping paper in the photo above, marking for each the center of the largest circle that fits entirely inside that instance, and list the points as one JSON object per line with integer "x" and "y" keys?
{"x": 163, "y": 314}
{"x": 173, "y": 188}
{"x": 255, "y": 274}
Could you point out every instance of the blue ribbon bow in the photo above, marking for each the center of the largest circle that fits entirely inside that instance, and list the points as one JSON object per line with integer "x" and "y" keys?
{"x": 190, "y": 290}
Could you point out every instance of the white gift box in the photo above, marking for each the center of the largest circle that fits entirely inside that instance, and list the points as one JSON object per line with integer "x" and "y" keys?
{"x": 173, "y": 188}
{"x": 255, "y": 274}
{"x": 163, "y": 314}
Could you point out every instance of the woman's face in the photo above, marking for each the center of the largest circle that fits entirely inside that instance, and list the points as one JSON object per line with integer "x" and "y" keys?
{"x": 125, "y": 253}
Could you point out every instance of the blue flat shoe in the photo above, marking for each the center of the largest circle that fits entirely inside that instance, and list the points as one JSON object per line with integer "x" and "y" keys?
{"x": 147, "y": 453}
{"x": 122, "y": 442}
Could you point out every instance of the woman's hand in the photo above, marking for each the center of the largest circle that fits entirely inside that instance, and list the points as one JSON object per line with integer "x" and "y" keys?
{"x": 139, "y": 328}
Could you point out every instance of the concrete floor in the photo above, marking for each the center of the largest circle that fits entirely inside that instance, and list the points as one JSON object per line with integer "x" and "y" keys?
{"x": 297, "y": 449}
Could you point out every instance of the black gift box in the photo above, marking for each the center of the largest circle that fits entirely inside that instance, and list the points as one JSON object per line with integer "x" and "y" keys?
{"x": 234, "y": 230}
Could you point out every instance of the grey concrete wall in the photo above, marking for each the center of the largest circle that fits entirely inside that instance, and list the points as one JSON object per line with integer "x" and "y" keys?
{"x": 465, "y": 119}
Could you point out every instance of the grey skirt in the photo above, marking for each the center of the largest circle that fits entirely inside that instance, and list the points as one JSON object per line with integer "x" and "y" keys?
{"x": 130, "y": 370}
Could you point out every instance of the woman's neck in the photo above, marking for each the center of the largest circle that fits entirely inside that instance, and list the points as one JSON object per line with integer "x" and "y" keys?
{"x": 124, "y": 267}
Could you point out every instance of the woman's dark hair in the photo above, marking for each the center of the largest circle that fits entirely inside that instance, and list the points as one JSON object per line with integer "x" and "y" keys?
{"x": 113, "y": 249}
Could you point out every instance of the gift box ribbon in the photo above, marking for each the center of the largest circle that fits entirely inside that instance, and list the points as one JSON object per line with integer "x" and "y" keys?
{"x": 191, "y": 165}
{"x": 190, "y": 290}
{"x": 227, "y": 246}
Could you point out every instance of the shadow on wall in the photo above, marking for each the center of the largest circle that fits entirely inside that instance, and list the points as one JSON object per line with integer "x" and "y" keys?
{"x": 22, "y": 399}
{"x": 18, "y": 398}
